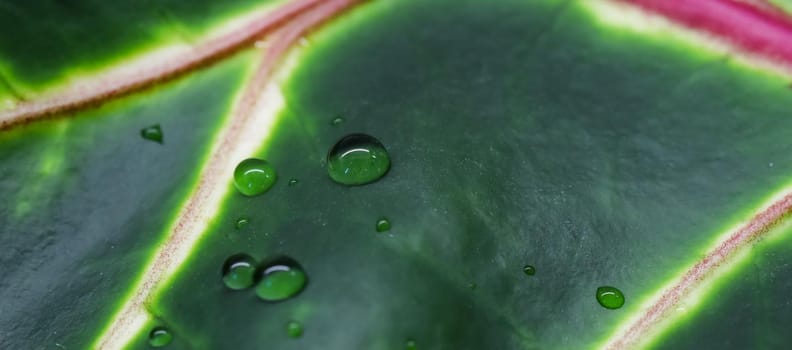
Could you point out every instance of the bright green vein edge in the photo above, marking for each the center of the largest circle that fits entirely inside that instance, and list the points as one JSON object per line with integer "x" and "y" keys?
{"x": 247, "y": 59}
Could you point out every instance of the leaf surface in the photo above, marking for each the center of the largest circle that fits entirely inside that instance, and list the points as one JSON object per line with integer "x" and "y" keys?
{"x": 520, "y": 133}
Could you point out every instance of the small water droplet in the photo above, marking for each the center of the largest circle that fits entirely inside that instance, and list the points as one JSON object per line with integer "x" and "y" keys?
{"x": 357, "y": 159}
{"x": 254, "y": 176}
{"x": 771, "y": 164}
{"x": 280, "y": 279}
{"x": 159, "y": 337}
{"x": 294, "y": 329}
{"x": 411, "y": 345}
{"x": 238, "y": 271}
{"x": 383, "y": 224}
{"x": 152, "y": 133}
{"x": 293, "y": 182}
{"x": 241, "y": 223}
{"x": 337, "y": 121}
{"x": 610, "y": 297}
{"x": 472, "y": 285}
{"x": 529, "y": 270}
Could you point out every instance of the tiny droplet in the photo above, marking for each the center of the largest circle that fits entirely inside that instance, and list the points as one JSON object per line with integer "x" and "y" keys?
{"x": 238, "y": 271}
{"x": 529, "y": 270}
{"x": 610, "y": 297}
{"x": 254, "y": 176}
{"x": 294, "y": 329}
{"x": 337, "y": 121}
{"x": 383, "y": 224}
{"x": 280, "y": 279}
{"x": 152, "y": 133}
{"x": 357, "y": 159}
{"x": 241, "y": 223}
{"x": 293, "y": 182}
{"x": 159, "y": 337}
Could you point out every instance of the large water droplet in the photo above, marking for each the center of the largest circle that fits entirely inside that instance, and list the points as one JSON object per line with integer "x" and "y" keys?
{"x": 529, "y": 270}
{"x": 159, "y": 337}
{"x": 294, "y": 329}
{"x": 280, "y": 279}
{"x": 152, "y": 133}
{"x": 610, "y": 297}
{"x": 383, "y": 224}
{"x": 238, "y": 271}
{"x": 411, "y": 345}
{"x": 357, "y": 159}
{"x": 254, "y": 176}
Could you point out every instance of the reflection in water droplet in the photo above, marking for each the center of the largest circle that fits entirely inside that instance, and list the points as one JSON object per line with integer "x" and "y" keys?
{"x": 280, "y": 279}
{"x": 411, "y": 345}
{"x": 294, "y": 329}
{"x": 529, "y": 270}
{"x": 159, "y": 337}
{"x": 238, "y": 271}
{"x": 383, "y": 225}
{"x": 241, "y": 223}
{"x": 357, "y": 159}
{"x": 254, "y": 176}
{"x": 610, "y": 297}
{"x": 152, "y": 133}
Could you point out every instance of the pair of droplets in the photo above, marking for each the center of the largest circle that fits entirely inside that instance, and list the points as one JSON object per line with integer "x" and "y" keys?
{"x": 356, "y": 159}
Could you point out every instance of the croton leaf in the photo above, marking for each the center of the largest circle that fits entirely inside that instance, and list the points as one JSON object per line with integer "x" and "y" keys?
{"x": 518, "y": 175}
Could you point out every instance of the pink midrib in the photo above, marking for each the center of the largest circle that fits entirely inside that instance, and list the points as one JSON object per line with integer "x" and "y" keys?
{"x": 754, "y": 28}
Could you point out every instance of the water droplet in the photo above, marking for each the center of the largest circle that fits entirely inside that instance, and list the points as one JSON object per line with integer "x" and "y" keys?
{"x": 294, "y": 329}
{"x": 280, "y": 279}
{"x": 472, "y": 285}
{"x": 241, "y": 223}
{"x": 293, "y": 182}
{"x": 357, "y": 159}
{"x": 152, "y": 133}
{"x": 159, "y": 337}
{"x": 529, "y": 270}
{"x": 254, "y": 176}
{"x": 610, "y": 297}
{"x": 383, "y": 225}
{"x": 337, "y": 121}
{"x": 238, "y": 271}
{"x": 411, "y": 345}
{"x": 771, "y": 164}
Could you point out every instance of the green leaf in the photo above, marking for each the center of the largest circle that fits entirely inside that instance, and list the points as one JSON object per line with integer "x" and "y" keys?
{"x": 86, "y": 200}
{"x": 519, "y": 133}
{"x": 54, "y": 40}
